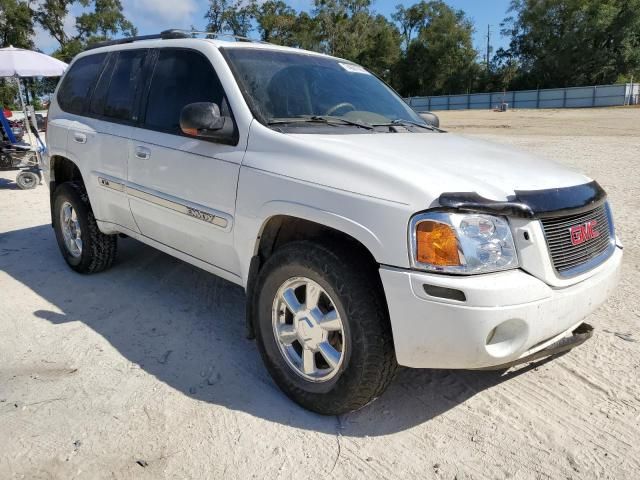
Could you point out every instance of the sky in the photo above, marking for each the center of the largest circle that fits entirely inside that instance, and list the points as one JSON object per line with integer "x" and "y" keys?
{"x": 153, "y": 16}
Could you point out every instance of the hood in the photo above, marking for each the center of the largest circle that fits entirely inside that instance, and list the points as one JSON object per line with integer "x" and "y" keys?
{"x": 410, "y": 168}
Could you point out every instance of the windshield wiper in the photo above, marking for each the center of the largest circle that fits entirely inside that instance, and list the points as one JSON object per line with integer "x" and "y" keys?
{"x": 344, "y": 121}
{"x": 398, "y": 121}
{"x": 328, "y": 119}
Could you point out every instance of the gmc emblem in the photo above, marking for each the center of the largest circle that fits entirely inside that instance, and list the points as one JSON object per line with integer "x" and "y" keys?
{"x": 584, "y": 232}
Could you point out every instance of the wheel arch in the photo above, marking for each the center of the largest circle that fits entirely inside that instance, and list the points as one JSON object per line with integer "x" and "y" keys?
{"x": 297, "y": 223}
{"x": 61, "y": 170}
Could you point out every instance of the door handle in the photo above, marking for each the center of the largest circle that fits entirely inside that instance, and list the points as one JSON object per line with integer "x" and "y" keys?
{"x": 142, "y": 153}
{"x": 79, "y": 137}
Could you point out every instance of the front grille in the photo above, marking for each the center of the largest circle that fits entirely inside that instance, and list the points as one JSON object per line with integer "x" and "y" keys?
{"x": 567, "y": 257}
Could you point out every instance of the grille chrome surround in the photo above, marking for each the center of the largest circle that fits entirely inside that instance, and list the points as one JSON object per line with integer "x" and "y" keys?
{"x": 570, "y": 260}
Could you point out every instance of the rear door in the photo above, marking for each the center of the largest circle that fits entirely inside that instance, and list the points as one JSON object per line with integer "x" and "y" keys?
{"x": 97, "y": 98}
{"x": 181, "y": 188}
{"x": 113, "y": 105}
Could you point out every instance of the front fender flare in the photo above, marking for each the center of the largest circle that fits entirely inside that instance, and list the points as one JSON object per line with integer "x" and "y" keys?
{"x": 326, "y": 218}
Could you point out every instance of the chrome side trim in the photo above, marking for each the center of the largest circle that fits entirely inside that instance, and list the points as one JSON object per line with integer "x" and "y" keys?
{"x": 198, "y": 213}
{"x": 201, "y": 213}
{"x": 104, "y": 182}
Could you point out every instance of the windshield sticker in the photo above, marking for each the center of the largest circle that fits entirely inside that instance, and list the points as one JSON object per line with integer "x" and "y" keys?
{"x": 350, "y": 67}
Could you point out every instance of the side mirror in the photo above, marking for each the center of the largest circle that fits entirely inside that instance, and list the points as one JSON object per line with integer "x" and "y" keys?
{"x": 198, "y": 118}
{"x": 203, "y": 120}
{"x": 430, "y": 118}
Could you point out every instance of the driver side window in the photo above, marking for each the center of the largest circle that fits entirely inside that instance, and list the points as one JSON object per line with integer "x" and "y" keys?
{"x": 180, "y": 77}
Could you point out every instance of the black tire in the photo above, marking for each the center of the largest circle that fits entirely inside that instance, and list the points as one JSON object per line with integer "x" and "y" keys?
{"x": 27, "y": 180}
{"x": 98, "y": 250}
{"x": 369, "y": 363}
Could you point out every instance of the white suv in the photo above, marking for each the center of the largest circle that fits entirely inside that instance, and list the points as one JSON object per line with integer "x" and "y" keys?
{"x": 364, "y": 237}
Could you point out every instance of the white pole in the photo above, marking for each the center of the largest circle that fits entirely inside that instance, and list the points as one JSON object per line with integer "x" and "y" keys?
{"x": 26, "y": 119}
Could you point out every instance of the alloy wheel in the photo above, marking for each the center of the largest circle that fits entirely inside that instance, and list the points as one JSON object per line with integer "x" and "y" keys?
{"x": 308, "y": 329}
{"x": 71, "y": 229}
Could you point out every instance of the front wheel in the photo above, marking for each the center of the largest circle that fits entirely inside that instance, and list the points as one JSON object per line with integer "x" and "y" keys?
{"x": 323, "y": 329}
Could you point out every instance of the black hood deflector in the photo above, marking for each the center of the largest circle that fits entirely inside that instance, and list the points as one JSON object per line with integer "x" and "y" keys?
{"x": 552, "y": 202}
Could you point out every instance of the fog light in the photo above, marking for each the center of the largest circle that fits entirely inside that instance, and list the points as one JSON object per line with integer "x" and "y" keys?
{"x": 507, "y": 338}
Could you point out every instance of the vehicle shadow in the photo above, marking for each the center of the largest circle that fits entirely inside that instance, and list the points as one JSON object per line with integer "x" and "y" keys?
{"x": 186, "y": 328}
{"x": 6, "y": 184}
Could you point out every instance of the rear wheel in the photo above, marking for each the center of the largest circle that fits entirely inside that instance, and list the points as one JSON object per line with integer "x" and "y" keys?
{"x": 84, "y": 247}
{"x": 27, "y": 180}
{"x": 322, "y": 328}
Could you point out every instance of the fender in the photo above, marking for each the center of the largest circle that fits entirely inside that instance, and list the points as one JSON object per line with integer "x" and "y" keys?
{"x": 301, "y": 211}
{"x": 329, "y": 219}
{"x": 306, "y": 212}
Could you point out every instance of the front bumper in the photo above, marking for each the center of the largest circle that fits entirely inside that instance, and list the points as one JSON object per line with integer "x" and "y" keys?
{"x": 505, "y": 316}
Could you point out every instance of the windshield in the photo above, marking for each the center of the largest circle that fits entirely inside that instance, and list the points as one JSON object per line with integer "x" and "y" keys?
{"x": 286, "y": 87}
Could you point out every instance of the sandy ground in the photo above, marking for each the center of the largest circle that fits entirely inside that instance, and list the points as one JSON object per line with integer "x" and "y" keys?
{"x": 143, "y": 371}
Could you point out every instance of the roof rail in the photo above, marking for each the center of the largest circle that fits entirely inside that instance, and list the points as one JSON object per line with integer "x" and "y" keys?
{"x": 165, "y": 35}
{"x": 239, "y": 38}
{"x": 174, "y": 33}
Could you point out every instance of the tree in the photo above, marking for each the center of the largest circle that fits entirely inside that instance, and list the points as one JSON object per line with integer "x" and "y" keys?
{"x": 238, "y": 19}
{"x": 16, "y": 29}
{"x": 410, "y": 20}
{"x": 106, "y": 19}
{"x": 276, "y": 22}
{"x": 235, "y": 19}
{"x": 441, "y": 58}
{"x": 559, "y": 43}
{"x": 342, "y": 24}
{"x": 307, "y": 33}
{"x": 216, "y": 15}
{"x": 380, "y": 50}
{"x": 16, "y": 24}
{"x": 348, "y": 29}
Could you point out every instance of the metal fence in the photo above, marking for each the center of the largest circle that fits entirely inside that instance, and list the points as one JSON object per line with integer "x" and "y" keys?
{"x": 573, "y": 97}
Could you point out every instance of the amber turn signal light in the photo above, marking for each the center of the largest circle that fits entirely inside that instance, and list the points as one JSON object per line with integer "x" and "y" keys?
{"x": 436, "y": 244}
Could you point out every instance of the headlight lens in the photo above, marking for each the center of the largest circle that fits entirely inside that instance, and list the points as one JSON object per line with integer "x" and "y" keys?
{"x": 461, "y": 243}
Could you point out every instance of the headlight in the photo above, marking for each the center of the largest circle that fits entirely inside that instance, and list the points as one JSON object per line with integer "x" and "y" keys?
{"x": 461, "y": 243}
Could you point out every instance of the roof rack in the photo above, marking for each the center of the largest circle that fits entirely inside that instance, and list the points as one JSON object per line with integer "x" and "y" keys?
{"x": 172, "y": 34}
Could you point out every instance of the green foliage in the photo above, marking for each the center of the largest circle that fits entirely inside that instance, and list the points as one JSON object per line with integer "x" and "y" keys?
{"x": 429, "y": 48}
{"x": 380, "y": 51}
{"x": 345, "y": 28}
{"x": 411, "y": 20}
{"x": 102, "y": 20}
{"x": 349, "y": 29}
{"x": 105, "y": 19}
{"x": 16, "y": 28}
{"x": 440, "y": 59}
{"x": 8, "y": 94}
{"x": 235, "y": 18}
{"x": 423, "y": 49}
{"x": 16, "y": 24}
{"x": 558, "y": 43}
{"x": 216, "y": 15}
{"x": 277, "y": 22}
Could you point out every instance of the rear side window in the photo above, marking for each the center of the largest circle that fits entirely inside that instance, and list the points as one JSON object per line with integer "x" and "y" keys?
{"x": 180, "y": 77}
{"x": 73, "y": 96}
{"x": 115, "y": 93}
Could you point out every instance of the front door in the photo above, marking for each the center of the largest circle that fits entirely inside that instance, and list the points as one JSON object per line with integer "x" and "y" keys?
{"x": 182, "y": 189}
